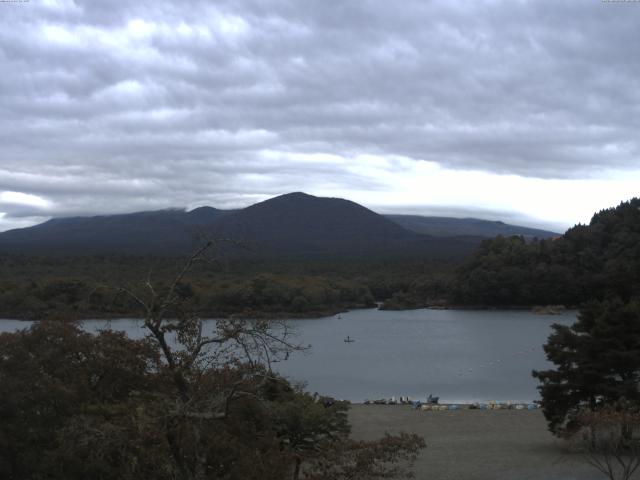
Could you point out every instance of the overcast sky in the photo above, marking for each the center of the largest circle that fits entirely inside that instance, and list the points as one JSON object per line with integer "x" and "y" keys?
{"x": 523, "y": 111}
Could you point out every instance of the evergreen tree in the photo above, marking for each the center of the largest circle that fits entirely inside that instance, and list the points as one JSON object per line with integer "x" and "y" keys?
{"x": 597, "y": 362}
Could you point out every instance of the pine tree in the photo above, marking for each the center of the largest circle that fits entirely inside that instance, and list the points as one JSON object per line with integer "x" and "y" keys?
{"x": 597, "y": 362}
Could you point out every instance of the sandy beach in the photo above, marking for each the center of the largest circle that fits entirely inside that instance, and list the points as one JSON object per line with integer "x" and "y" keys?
{"x": 477, "y": 444}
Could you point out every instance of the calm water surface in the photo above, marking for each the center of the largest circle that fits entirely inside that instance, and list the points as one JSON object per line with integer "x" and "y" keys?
{"x": 459, "y": 355}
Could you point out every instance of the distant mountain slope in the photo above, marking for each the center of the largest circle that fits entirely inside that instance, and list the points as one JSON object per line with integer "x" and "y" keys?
{"x": 163, "y": 232}
{"x": 447, "y": 227}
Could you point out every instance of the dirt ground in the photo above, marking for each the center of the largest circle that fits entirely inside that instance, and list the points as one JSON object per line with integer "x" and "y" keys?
{"x": 477, "y": 444}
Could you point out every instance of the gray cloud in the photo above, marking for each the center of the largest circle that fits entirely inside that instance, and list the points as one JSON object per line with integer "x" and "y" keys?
{"x": 116, "y": 106}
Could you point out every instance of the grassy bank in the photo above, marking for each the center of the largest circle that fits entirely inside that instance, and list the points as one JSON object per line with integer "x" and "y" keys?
{"x": 476, "y": 444}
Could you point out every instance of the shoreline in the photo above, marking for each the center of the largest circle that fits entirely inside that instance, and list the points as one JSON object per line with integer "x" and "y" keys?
{"x": 132, "y": 316}
{"x": 455, "y": 406}
{"x": 290, "y": 315}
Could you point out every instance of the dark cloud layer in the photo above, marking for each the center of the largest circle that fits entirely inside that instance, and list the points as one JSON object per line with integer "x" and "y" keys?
{"x": 112, "y": 105}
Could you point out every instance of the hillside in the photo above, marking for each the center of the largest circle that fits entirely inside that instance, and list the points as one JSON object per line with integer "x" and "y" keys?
{"x": 163, "y": 232}
{"x": 448, "y": 226}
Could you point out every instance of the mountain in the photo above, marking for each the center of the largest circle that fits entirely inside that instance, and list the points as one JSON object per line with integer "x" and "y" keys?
{"x": 300, "y": 223}
{"x": 448, "y": 226}
{"x": 295, "y": 224}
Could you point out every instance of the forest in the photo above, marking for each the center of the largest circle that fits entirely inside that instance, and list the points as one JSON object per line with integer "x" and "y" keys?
{"x": 588, "y": 261}
{"x": 177, "y": 404}
{"x": 87, "y": 287}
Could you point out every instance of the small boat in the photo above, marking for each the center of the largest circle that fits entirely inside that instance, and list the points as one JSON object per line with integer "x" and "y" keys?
{"x": 349, "y": 339}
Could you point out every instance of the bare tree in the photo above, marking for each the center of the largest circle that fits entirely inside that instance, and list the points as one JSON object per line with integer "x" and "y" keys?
{"x": 215, "y": 369}
{"x": 610, "y": 438}
{"x": 190, "y": 352}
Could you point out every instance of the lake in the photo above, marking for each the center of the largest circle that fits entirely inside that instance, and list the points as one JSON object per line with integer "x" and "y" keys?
{"x": 458, "y": 355}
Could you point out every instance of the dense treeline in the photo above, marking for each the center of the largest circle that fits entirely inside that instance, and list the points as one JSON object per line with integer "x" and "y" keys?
{"x": 259, "y": 295}
{"x": 88, "y": 287}
{"x": 588, "y": 262}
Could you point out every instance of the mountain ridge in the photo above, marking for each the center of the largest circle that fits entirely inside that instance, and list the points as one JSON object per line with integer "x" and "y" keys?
{"x": 292, "y": 224}
{"x": 449, "y": 226}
